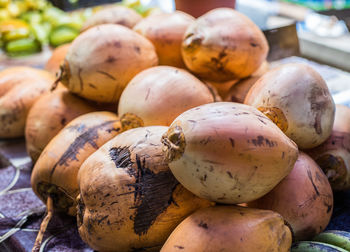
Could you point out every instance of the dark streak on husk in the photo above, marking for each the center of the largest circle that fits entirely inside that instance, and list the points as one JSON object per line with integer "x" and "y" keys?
{"x": 152, "y": 191}
{"x": 312, "y": 181}
{"x": 121, "y": 158}
{"x": 262, "y": 141}
{"x": 89, "y": 136}
{"x": 153, "y": 195}
{"x": 107, "y": 74}
{"x": 80, "y": 79}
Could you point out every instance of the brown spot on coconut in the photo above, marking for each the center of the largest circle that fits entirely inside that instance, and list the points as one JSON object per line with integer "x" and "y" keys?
{"x": 57, "y": 58}
{"x": 113, "y": 15}
{"x": 50, "y": 113}
{"x": 156, "y": 96}
{"x": 55, "y": 173}
{"x": 128, "y": 191}
{"x": 333, "y": 156}
{"x": 20, "y": 87}
{"x": 309, "y": 210}
{"x": 230, "y": 228}
{"x": 200, "y": 141}
{"x": 166, "y": 31}
{"x": 297, "y": 98}
{"x": 88, "y": 61}
{"x": 217, "y": 46}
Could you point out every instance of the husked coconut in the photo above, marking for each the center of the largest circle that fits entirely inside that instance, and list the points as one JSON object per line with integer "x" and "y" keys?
{"x": 297, "y": 99}
{"x": 120, "y": 15}
{"x": 54, "y": 176}
{"x": 240, "y": 89}
{"x": 53, "y": 65}
{"x": 129, "y": 200}
{"x": 49, "y": 114}
{"x": 230, "y": 228}
{"x": 224, "y": 45}
{"x": 333, "y": 156}
{"x": 156, "y": 96}
{"x": 166, "y": 31}
{"x": 304, "y": 199}
{"x": 102, "y": 60}
{"x": 228, "y": 152}
{"x": 55, "y": 173}
{"x": 20, "y": 87}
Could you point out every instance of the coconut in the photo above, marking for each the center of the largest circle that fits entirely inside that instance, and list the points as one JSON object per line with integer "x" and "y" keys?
{"x": 156, "y": 96}
{"x": 50, "y": 113}
{"x": 224, "y": 45}
{"x": 55, "y": 173}
{"x": 309, "y": 210}
{"x": 113, "y": 15}
{"x": 333, "y": 156}
{"x": 102, "y": 60}
{"x": 228, "y": 152}
{"x": 166, "y": 31}
{"x": 297, "y": 99}
{"x": 129, "y": 200}
{"x": 57, "y": 58}
{"x": 230, "y": 228}
{"x": 240, "y": 89}
{"x": 20, "y": 87}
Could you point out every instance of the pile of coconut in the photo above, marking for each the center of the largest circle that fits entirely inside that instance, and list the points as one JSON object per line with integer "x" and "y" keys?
{"x": 132, "y": 136}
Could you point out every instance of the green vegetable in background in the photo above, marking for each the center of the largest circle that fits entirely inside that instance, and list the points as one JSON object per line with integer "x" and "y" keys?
{"x": 31, "y": 17}
{"x": 36, "y": 4}
{"x": 22, "y": 47}
{"x": 28, "y": 25}
{"x": 62, "y": 35}
{"x": 41, "y": 32}
{"x": 53, "y": 15}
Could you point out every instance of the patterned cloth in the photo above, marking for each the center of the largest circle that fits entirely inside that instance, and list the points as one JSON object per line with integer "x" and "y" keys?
{"x": 21, "y": 212}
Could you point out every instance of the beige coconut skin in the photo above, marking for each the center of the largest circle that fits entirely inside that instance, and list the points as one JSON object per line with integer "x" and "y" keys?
{"x": 159, "y": 94}
{"x": 102, "y": 60}
{"x": 129, "y": 200}
{"x": 309, "y": 210}
{"x": 166, "y": 32}
{"x": 297, "y": 99}
{"x": 58, "y": 165}
{"x": 230, "y": 228}
{"x": 113, "y": 15}
{"x": 333, "y": 156}
{"x": 20, "y": 87}
{"x": 228, "y": 152}
{"x": 223, "y": 45}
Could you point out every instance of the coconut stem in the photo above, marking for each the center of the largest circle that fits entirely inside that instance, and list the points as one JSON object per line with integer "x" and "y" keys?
{"x": 59, "y": 78}
{"x": 43, "y": 226}
{"x": 174, "y": 143}
{"x": 55, "y": 84}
